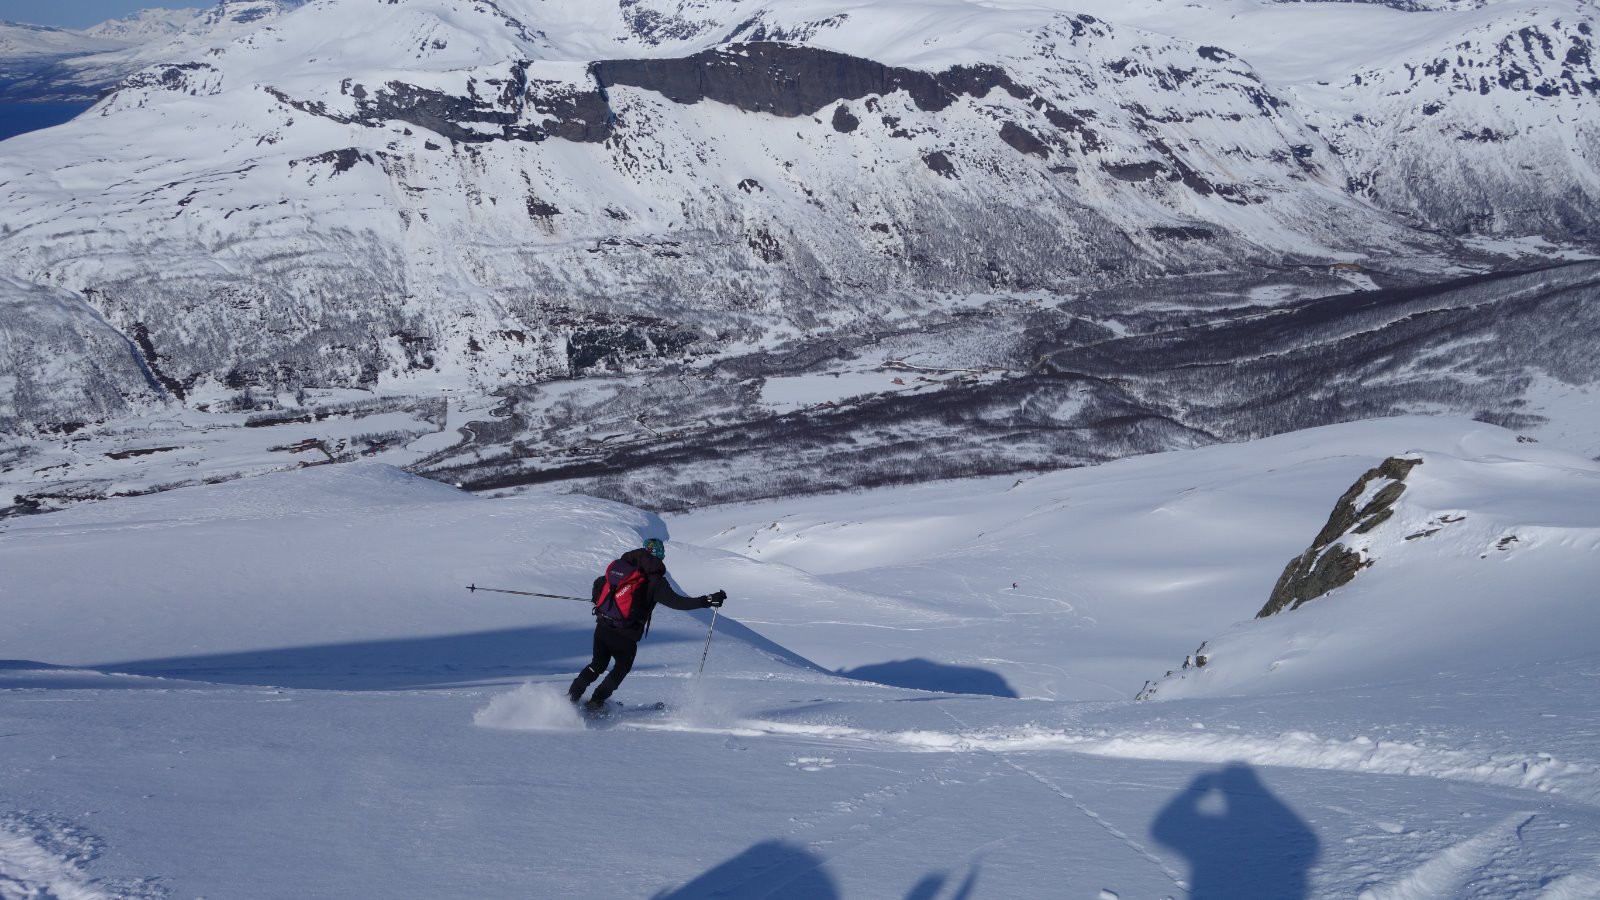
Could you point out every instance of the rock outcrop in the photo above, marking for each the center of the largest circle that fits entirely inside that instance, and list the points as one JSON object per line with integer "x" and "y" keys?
{"x": 1329, "y": 563}
{"x": 1333, "y": 559}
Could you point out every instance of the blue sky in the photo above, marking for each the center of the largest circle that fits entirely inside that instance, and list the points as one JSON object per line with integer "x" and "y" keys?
{"x": 81, "y": 13}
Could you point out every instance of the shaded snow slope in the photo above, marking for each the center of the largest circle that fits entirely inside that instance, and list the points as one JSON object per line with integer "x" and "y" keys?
{"x": 271, "y": 573}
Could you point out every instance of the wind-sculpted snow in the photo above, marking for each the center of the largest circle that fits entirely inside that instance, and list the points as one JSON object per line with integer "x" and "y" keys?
{"x": 44, "y": 856}
{"x": 1537, "y": 772}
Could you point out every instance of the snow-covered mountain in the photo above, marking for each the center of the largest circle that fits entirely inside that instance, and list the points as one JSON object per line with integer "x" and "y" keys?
{"x": 104, "y": 54}
{"x": 146, "y": 25}
{"x": 489, "y": 195}
{"x": 19, "y": 41}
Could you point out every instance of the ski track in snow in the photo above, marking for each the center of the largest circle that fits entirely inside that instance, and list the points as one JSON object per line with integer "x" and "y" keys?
{"x": 1576, "y": 886}
{"x": 1122, "y": 837}
{"x": 42, "y": 858}
{"x": 1539, "y": 772}
{"x": 1139, "y": 849}
{"x": 854, "y": 824}
{"x": 1449, "y": 873}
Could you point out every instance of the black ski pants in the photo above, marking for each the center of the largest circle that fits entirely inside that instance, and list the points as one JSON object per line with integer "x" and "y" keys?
{"x": 609, "y": 643}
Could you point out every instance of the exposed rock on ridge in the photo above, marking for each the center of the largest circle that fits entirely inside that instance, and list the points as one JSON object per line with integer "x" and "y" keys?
{"x": 792, "y": 80}
{"x": 1329, "y": 564}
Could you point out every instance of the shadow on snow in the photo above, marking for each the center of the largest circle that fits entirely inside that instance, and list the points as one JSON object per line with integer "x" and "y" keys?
{"x": 778, "y": 870}
{"x": 394, "y": 664}
{"x": 29, "y": 675}
{"x": 728, "y": 627}
{"x": 1242, "y": 842}
{"x": 927, "y": 675}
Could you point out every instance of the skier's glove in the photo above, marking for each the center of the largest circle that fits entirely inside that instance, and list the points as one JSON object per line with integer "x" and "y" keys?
{"x": 716, "y": 599}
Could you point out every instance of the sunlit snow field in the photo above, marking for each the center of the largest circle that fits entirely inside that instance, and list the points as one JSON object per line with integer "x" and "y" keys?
{"x": 279, "y": 687}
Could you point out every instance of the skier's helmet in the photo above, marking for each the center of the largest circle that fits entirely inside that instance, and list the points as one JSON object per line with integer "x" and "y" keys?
{"x": 656, "y": 548}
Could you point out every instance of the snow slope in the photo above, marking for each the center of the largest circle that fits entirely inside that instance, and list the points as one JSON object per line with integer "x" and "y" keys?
{"x": 1134, "y": 563}
{"x": 300, "y": 646}
{"x": 252, "y": 566}
{"x": 1486, "y": 563}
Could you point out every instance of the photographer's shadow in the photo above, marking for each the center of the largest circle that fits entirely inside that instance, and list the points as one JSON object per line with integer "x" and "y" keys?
{"x": 773, "y": 868}
{"x": 1242, "y": 842}
{"x": 779, "y": 870}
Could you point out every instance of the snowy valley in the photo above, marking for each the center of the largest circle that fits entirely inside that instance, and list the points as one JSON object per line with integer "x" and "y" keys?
{"x": 656, "y": 238}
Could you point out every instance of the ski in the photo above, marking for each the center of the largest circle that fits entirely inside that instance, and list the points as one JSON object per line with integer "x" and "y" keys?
{"x": 618, "y": 708}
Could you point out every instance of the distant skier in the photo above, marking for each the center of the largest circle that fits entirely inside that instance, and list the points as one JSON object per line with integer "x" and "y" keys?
{"x": 624, "y": 598}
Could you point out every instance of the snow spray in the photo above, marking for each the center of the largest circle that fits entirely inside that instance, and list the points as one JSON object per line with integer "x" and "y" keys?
{"x": 530, "y": 707}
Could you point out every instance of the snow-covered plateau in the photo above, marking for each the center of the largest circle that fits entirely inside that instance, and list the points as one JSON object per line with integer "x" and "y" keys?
{"x": 720, "y": 247}
{"x": 279, "y": 687}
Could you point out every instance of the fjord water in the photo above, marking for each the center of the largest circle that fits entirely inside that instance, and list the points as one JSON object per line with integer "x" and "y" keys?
{"x": 21, "y": 118}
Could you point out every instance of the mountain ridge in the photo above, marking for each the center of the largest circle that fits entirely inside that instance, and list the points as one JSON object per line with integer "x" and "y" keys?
{"x": 494, "y": 195}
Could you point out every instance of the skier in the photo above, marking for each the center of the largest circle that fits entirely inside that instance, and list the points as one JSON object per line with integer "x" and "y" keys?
{"x": 624, "y": 599}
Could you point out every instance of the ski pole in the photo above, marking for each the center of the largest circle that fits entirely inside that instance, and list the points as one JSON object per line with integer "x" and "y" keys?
{"x": 707, "y": 652}
{"x": 475, "y": 588}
